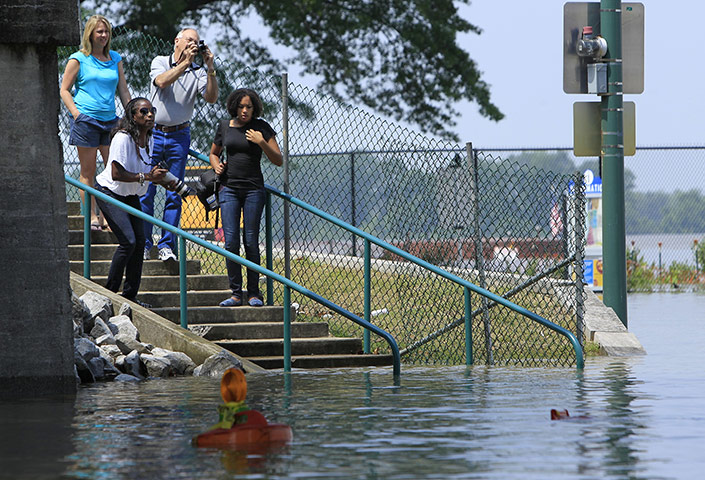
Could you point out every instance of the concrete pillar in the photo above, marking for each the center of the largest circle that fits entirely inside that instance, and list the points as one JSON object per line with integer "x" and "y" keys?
{"x": 36, "y": 341}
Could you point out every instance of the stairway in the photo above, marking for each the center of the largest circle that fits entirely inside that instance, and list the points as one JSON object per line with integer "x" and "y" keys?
{"x": 254, "y": 333}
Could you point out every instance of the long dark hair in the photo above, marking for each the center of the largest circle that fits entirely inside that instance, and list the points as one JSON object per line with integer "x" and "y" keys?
{"x": 127, "y": 122}
{"x": 234, "y": 100}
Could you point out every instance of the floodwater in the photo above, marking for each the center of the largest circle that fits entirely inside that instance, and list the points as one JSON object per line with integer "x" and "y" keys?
{"x": 640, "y": 417}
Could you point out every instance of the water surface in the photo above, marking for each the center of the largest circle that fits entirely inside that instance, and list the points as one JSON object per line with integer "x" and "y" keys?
{"x": 643, "y": 418}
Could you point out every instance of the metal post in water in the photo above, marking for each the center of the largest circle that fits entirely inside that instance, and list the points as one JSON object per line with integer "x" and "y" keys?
{"x": 86, "y": 210}
{"x": 479, "y": 256}
{"x": 659, "y": 259}
{"x": 468, "y": 328}
{"x": 285, "y": 156}
{"x": 183, "y": 306}
{"x": 287, "y": 328}
{"x": 612, "y": 148}
{"x": 368, "y": 288}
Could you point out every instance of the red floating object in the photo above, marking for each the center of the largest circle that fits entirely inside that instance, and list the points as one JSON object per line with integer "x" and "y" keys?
{"x": 256, "y": 431}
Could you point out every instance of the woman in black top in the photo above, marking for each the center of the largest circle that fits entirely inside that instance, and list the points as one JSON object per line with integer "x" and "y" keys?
{"x": 245, "y": 136}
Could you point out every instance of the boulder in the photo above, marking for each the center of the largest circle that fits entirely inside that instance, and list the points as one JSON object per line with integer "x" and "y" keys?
{"x": 216, "y": 365}
{"x": 181, "y": 364}
{"x": 156, "y": 366}
{"x": 100, "y": 328}
{"x": 99, "y": 306}
{"x": 124, "y": 326}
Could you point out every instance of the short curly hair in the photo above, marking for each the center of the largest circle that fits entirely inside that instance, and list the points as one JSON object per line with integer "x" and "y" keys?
{"x": 234, "y": 100}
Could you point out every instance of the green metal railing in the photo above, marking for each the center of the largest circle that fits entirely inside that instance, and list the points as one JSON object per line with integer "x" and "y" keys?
{"x": 368, "y": 239}
{"x": 271, "y": 276}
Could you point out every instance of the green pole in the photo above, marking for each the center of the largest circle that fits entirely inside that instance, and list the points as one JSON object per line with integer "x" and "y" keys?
{"x": 612, "y": 149}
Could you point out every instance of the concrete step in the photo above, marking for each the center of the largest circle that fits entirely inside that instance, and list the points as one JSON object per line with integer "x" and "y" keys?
{"x": 101, "y": 268}
{"x": 73, "y": 208}
{"x": 259, "y": 330}
{"x": 76, "y": 237}
{"x": 195, "y": 298}
{"x": 100, "y": 251}
{"x": 214, "y": 315}
{"x": 157, "y": 283}
{"x": 325, "y": 361}
{"x": 75, "y": 222}
{"x": 266, "y": 347}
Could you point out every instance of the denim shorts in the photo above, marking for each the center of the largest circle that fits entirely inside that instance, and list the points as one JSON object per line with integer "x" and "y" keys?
{"x": 88, "y": 132}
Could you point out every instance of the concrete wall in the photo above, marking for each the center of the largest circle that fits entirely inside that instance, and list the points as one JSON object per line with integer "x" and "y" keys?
{"x": 36, "y": 346}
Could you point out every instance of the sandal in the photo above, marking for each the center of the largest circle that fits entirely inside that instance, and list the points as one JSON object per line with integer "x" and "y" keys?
{"x": 231, "y": 302}
{"x": 95, "y": 226}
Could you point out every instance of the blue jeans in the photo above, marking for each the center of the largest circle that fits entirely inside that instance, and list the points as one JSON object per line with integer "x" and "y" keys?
{"x": 251, "y": 203}
{"x": 172, "y": 149}
{"x": 128, "y": 257}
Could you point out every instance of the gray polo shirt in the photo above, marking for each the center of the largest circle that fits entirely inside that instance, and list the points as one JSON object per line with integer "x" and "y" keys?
{"x": 175, "y": 102}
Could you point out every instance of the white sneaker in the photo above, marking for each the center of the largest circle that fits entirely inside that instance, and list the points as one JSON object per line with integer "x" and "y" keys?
{"x": 147, "y": 255}
{"x": 165, "y": 254}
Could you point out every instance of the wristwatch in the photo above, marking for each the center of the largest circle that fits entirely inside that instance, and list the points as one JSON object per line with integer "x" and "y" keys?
{"x": 141, "y": 178}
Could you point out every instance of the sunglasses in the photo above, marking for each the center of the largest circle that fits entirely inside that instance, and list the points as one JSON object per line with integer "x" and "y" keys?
{"x": 144, "y": 110}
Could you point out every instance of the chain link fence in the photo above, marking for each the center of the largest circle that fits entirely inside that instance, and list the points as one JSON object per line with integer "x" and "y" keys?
{"x": 507, "y": 226}
{"x": 664, "y": 211}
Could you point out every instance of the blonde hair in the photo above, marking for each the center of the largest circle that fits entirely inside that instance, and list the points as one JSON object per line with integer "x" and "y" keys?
{"x": 91, "y": 24}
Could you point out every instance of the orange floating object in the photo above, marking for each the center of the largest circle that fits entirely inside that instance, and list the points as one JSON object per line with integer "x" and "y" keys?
{"x": 559, "y": 414}
{"x": 238, "y": 427}
{"x": 233, "y": 386}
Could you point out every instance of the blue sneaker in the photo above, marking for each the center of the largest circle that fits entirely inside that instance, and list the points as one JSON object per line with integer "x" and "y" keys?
{"x": 255, "y": 302}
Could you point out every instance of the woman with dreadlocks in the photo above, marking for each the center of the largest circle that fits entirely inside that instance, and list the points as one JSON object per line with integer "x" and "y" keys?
{"x": 125, "y": 178}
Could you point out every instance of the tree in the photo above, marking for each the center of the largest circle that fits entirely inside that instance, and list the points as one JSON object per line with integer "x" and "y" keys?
{"x": 398, "y": 57}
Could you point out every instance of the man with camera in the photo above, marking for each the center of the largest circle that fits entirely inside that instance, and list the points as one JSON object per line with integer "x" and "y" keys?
{"x": 176, "y": 81}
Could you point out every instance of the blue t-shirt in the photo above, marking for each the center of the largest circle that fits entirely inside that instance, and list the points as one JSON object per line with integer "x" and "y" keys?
{"x": 95, "y": 85}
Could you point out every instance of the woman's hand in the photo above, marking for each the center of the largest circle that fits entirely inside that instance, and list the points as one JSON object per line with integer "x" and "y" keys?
{"x": 254, "y": 136}
{"x": 156, "y": 175}
{"x": 219, "y": 169}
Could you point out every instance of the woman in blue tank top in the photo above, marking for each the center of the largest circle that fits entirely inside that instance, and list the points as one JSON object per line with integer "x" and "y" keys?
{"x": 93, "y": 73}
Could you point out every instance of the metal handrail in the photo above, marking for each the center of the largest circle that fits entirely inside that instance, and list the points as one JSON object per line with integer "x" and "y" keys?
{"x": 468, "y": 286}
{"x": 288, "y": 284}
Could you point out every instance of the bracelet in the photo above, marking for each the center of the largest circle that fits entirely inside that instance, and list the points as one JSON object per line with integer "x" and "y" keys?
{"x": 141, "y": 180}
{"x": 212, "y": 74}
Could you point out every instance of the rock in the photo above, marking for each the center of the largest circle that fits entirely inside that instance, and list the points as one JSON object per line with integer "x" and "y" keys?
{"x": 99, "y": 329}
{"x": 99, "y": 306}
{"x": 112, "y": 350}
{"x": 156, "y": 366}
{"x": 80, "y": 315}
{"x": 125, "y": 310}
{"x": 97, "y": 367}
{"x": 125, "y": 327}
{"x": 83, "y": 370}
{"x": 217, "y": 364}
{"x": 181, "y": 364}
{"x": 107, "y": 339}
{"x": 123, "y": 377}
{"x": 133, "y": 365}
{"x": 85, "y": 348}
{"x": 127, "y": 345}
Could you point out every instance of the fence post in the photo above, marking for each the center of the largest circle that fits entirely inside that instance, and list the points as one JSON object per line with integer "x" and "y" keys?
{"x": 579, "y": 255}
{"x": 479, "y": 256}
{"x": 468, "y": 328}
{"x": 268, "y": 246}
{"x": 367, "y": 306}
{"x": 352, "y": 207}
{"x": 285, "y": 157}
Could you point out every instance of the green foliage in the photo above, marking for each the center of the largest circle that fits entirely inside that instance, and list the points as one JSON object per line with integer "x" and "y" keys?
{"x": 399, "y": 57}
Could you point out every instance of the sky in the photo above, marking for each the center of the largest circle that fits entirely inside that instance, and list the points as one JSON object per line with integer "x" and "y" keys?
{"x": 520, "y": 55}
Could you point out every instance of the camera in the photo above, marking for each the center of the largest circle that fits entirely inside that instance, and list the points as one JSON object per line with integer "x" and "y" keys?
{"x": 180, "y": 187}
{"x": 201, "y": 46}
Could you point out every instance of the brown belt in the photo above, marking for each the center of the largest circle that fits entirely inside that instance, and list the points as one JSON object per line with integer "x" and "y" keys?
{"x": 171, "y": 128}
